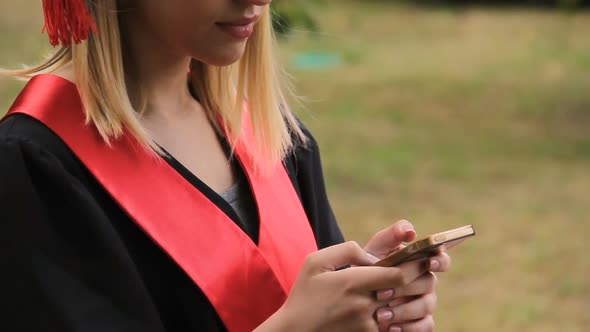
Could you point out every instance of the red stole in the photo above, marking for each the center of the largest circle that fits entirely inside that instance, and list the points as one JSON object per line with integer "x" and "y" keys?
{"x": 244, "y": 282}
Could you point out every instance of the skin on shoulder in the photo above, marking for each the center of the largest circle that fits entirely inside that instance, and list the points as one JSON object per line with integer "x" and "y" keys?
{"x": 66, "y": 72}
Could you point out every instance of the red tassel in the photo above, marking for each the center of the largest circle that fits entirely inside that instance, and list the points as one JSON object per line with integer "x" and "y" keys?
{"x": 67, "y": 21}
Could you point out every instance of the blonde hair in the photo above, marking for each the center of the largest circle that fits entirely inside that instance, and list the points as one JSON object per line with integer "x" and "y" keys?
{"x": 255, "y": 78}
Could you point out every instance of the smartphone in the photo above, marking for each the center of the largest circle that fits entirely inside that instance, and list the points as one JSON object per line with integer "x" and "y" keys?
{"x": 428, "y": 246}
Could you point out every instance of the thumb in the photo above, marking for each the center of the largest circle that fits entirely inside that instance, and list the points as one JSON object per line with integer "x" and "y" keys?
{"x": 337, "y": 256}
{"x": 390, "y": 238}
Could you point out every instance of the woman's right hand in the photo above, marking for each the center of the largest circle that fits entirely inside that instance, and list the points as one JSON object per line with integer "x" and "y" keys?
{"x": 324, "y": 299}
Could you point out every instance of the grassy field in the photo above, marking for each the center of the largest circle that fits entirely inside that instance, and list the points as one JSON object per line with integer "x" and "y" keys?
{"x": 447, "y": 117}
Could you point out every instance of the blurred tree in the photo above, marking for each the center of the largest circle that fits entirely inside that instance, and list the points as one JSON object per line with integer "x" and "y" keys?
{"x": 289, "y": 13}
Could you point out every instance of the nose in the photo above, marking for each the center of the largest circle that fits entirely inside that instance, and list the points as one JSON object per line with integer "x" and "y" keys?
{"x": 258, "y": 2}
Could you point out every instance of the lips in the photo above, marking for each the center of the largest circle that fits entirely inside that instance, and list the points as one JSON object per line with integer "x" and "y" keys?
{"x": 241, "y": 28}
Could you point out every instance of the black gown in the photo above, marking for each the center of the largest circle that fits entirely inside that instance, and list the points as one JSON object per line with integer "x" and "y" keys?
{"x": 92, "y": 268}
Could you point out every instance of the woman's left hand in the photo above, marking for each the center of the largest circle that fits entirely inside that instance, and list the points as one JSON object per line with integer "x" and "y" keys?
{"x": 409, "y": 308}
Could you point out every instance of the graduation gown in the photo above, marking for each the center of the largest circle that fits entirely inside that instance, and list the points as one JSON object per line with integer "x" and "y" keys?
{"x": 92, "y": 267}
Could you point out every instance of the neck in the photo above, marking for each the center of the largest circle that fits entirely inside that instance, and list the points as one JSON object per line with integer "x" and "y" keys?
{"x": 155, "y": 74}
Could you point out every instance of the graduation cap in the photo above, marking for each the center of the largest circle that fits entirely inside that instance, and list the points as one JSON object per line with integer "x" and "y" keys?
{"x": 67, "y": 21}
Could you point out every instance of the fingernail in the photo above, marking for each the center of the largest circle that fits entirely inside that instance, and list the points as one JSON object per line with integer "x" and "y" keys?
{"x": 385, "y": 294}
{"x": 384, "y": 315}
{"x": 407, "y": 228}
{"x": 372, "y": 258}
{"x": 395, "y": 329}
{"x": 409, "y": 233}
{"x": 434, "y": 265}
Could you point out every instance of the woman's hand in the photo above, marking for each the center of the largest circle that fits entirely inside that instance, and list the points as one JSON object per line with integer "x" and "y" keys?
{"x": 391, "y": 238}
{"x": 324, "y": 299}
{"x": 410, "y": 308}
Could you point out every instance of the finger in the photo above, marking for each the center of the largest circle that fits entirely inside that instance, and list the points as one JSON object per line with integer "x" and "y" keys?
{"x": 384, "y": 295}
{"x": 413, "y": 310}
{"x": 417, "y": 309}
{"x": 401, "y": 300}
{"x": 424, "y": 284}
{"x": 425, "y": 324}
{"x": 374, "y": 278}
{"x": 329, "y": 259}
{"x": 389, "y": 239}
{"x": 440, "y": 262}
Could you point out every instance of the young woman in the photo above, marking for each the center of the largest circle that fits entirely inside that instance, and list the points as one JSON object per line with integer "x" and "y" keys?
{"x": 165, "y": 185}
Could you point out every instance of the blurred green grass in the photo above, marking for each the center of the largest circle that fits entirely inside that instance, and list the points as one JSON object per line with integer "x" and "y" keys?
{"x": 451, "y": 116}
{"x": 447, "y": 117}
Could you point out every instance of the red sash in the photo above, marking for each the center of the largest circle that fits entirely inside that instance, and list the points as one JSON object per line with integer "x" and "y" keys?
{"x": 244, "y": 282}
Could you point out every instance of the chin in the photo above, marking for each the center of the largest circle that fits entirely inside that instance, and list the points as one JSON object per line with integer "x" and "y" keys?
{"x": 225, "y": 57}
